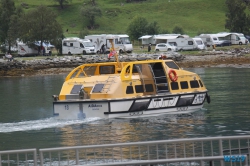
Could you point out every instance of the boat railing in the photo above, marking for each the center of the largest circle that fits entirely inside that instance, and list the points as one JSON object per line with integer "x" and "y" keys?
{"x": 223, "y": 151}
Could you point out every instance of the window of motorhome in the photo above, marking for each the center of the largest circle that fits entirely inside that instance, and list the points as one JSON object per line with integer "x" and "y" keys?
{"x": 125, "y": 40}
{"x": 64, "y": 44}
{"x": 199, "y": 42}
{"x": 190, "y": 42}
{"x": 81, "y": 45}
{"x": 214, "y": 38}
{"x": 71, "y": 44}
{"x": 208, "y": 39}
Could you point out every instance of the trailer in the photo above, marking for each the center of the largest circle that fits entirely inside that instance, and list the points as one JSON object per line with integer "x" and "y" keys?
{"x": 235, "y": 38}
{"x": 75, "y": 45}
{"x": 185, "y": 43}
{"x": 121, "y": 42}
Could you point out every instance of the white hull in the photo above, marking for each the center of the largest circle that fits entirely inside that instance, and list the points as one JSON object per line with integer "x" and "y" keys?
{"x": 130, "y": 108}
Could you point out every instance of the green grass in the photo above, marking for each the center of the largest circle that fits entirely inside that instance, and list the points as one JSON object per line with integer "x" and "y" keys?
{"x": 194, "y": 16}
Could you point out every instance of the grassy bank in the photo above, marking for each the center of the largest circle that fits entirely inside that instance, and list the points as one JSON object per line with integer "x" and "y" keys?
{"x": 194, "y": 16}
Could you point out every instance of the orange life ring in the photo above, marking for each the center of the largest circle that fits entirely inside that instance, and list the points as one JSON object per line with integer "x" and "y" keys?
{"x": 172, "y": 75}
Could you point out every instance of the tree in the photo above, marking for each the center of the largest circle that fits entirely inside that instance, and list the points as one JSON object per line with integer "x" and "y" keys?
{"x": 91, "y": 12}
{"x": 178, "y": 30}
{"x": 83, "y": 33}
{"x": 153, "y": 28}
{"x": 7, "y": 9}
{"x": 137, "y": 28}
{"x": 62, "y": 2}
{"x": 236, "y": 18}
{"x": 39, "y": 24}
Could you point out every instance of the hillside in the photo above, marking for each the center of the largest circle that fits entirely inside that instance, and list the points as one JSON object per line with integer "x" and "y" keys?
{"x": 194, "y": 16}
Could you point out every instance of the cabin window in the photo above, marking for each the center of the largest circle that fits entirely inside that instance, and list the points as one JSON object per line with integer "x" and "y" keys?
{"x": 184, "y": 84}
{"x": 149, "y": 88}
{"x": 129, "y": 90}
{"x": 107, "y": 69}
{"x": 190, "y": 43}
{"x": 139, "y": 89}
{"x": 65, "y": 44}
{"x": 90, "y": 70}
{"x": 201, "y": 84}
{"x": 71, "y": 44}
{"x": 172, "y": 65}
{"x": 194, "y": 84}
{"x": 174, "y": 86}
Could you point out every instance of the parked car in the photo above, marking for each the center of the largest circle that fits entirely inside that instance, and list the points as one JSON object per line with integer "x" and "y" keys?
{"x": 165, "y": 47}
{"x": 224, "y": 43}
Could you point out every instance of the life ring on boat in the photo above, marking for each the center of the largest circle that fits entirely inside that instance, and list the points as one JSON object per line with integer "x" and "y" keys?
{"x": 172, "y": 75}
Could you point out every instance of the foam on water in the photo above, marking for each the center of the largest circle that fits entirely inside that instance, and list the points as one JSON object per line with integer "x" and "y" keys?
{"x": 40, "y": 124}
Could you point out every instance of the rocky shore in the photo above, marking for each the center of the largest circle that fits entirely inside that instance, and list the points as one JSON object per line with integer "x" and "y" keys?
{"x": 64, "y": 64}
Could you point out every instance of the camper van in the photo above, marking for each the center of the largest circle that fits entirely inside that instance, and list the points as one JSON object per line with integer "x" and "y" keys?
{"x": 121, "y": 42}
{"x": 34, "y": 49}
{"x": 200, "y": 43}
{"x": 75, "y": 45}
{"x": 186, "y": 43}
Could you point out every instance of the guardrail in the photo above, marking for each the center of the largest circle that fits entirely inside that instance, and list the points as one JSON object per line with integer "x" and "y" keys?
{"x": 230, "y": 150}
{"x": 18, "y": 157}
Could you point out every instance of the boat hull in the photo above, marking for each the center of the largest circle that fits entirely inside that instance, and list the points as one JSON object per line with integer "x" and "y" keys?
{"x": 130, "y": 107}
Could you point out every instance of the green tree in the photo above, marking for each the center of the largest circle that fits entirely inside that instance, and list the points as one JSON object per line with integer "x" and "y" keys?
{"x": 236, "y": 18}
{"x": 7, "y": 9}
{"x": 178, "y": 30}
{"x": 137, "y": 28}
{"x": 90, "y": 11}
{"x": 153, "y": 28}
{"x": 63, "y": 2}
{"x": 83, "y": 33}
{"x": 40, "y": 24}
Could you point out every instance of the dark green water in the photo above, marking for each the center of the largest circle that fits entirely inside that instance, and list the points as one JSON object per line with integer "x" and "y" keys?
{"x": 26, "y": 114}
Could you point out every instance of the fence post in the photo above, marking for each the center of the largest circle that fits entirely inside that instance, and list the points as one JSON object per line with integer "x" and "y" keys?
{"x": 77, "y": 157}
{"x": 221, "y": 152}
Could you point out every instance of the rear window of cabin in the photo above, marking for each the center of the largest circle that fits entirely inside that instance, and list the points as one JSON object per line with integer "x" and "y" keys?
{"x": 107, "y": 69}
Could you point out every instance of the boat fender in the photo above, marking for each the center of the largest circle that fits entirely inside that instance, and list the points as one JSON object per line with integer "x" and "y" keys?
{"x": 172, "y": 75}
{"x": 81, "y": 94}
{"x": 208, "y": 99}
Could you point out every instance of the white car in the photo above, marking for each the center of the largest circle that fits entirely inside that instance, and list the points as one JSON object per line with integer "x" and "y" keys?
{"x": 165, "y": 47}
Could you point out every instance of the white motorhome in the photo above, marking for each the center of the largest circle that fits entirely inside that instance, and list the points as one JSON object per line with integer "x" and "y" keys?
{"x": 121, "y": 42}
{"x": 75, "y": 45}
{"x": 186, "y": 43}
{"x": 29, "y": 50}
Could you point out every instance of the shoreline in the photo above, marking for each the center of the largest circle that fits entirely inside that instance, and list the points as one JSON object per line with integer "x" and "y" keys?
{"x": 188, "y": 61}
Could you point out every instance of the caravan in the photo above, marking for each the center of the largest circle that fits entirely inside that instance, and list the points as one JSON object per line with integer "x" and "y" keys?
{"x": 34, "y": 49}
{"x": 235, "y": 38}
{"x": 75, "y": 45}
{"x": 210, "y": 39}
{"x": 121, "y": 42}
{"x": 185, "y": 43}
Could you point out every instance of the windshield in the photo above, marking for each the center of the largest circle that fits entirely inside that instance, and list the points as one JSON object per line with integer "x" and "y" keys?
{"x": 87, "y": 44}
{"x": 125, "y": 40}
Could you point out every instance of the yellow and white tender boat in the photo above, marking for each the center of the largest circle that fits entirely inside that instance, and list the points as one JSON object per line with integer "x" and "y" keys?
{"x": 129, "y": 89}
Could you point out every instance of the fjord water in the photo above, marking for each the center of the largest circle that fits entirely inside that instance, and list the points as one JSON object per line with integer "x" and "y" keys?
{"x": 26, "y": 114}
